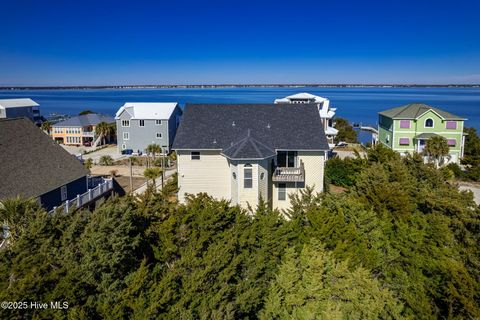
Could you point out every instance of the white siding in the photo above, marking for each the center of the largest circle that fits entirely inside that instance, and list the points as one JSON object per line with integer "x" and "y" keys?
{"x": 314, "y": 163}
{"x": 210, "y": 174}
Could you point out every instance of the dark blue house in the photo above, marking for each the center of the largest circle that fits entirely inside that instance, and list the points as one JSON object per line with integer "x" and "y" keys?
{"x": 32, "y": 165}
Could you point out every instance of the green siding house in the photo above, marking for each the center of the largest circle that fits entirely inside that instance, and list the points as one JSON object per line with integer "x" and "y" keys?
{"x": 406, "y": 129}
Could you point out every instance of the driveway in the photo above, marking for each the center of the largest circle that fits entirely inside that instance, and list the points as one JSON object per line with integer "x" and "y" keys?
{"x": 95, "y": 155}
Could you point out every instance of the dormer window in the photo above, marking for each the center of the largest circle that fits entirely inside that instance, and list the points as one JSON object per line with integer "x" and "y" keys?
{"x": 429, "y": 123}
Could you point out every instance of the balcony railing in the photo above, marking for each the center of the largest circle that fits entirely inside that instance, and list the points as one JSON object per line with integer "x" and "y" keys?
{"x": 287, "y": 174}
{"x": 88, "y": 133}
{"x": 85, "y": 198}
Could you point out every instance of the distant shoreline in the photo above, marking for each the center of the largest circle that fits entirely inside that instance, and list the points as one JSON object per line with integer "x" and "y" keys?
{"x": 213, "y": 86}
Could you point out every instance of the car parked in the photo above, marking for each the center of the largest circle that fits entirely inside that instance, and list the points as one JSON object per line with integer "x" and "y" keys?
{"x": 127, "y": 151}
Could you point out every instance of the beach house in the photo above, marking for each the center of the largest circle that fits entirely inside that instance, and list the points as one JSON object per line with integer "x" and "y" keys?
{"x": 15, "y": 108}
{"x": 142, "y": 123}
{"x": 406, "y": 129}
{"x": 326, "y": 112}
{"x": 33, "y": 166}
{"x": 80, "y": 130}
{"x": 244, "y": 152}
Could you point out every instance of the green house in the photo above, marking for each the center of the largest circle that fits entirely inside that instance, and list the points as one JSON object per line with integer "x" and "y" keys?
{"x": 407, "y": 128}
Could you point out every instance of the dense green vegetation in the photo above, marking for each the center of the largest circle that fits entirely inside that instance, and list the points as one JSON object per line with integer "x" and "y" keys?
{"x": 346, "y": 133}
{"x": 400, "y": 243}
{"x": 471, "y": 157}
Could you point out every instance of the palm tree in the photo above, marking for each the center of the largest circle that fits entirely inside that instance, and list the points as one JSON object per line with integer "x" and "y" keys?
{"x": 15, "y": 215}
{"x": 88, "y": 163}
{"x": 154, "y": 149}
{"x": 103, "y": 129}
{"x": 436, "y": 148}
{"x": 47, "y": 127}
{"x": 152, "y": 174}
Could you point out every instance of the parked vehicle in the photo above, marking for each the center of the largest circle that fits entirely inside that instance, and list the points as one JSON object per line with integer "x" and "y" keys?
{"x": 127, "y": 151}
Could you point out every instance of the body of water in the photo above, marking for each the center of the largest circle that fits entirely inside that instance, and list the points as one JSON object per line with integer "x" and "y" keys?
{"x": 359, "y": 105}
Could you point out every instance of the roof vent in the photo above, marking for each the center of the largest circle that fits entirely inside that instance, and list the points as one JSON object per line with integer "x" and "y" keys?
{"x": 268, "y": 125}
{"x": 214, "y": 141}
{"x": 233, "y": 124}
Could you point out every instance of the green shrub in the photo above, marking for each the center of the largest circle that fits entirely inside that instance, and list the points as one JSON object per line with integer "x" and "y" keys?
{"x": 343, "y": 172}
{"x": 105, "y": 161}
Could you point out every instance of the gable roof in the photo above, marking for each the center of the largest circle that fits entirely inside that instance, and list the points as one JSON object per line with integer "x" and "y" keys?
{"x": 90, "y": 119}
{"x": 31, "y": 163}
{"x": 415, "y": 110}
{"x": 148, "y": 110}
{"x": 14, "y": 103}
{"x": 250, "y": 131}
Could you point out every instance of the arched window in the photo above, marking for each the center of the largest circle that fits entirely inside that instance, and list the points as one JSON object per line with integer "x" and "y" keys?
{"x": 429, "y": 123}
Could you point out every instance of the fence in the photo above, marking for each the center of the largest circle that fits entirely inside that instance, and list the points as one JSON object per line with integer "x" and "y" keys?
{"x": 85, "y": 198}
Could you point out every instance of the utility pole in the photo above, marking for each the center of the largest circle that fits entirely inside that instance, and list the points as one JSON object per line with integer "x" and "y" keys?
{"x": 131, "y": 183}
{"x": 163, "y": 166}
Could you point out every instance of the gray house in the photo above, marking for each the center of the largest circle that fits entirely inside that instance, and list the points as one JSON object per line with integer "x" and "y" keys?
{"x": 17, "y": 108}
{"x": 142, "y": 123}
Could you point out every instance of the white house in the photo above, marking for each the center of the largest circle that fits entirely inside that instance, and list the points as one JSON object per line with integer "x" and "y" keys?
{"x": 326, "y": 112}
{"x": 246, "y": 152}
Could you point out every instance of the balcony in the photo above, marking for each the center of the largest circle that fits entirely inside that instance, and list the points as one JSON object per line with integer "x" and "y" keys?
{"x": 89, "y": 134}
{"x": 288, "y": 174}
{"x": 99, "y": 188}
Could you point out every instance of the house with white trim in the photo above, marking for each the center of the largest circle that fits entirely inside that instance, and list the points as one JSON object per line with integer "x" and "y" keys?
{"x": 247, "y": 152}
{"x": 16, "y": 108}
{"x": 326, "y": 112}
{"x": 140, "y": 124}
{"x": 407, "y": 128}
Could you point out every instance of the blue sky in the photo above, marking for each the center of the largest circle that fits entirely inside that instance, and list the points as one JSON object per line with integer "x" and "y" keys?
{"x": 192, "y": 42}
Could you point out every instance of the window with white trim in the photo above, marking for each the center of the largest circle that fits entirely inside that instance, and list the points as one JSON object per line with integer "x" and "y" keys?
{"x": 126, "y": 136}
{"x": 247, "y": 176}
{"x": 429, "y": 123}
{"x": 141, "y": 123}
{"x": 195, "y": 155}
{"x": 158, "y": 122}
{"x": 282, "y": 191}
{"x": 125, "y": 123}
{"x": 158, "y": 135}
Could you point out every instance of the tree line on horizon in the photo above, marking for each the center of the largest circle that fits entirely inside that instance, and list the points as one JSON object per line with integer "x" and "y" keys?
{"x": 400, "y": 243}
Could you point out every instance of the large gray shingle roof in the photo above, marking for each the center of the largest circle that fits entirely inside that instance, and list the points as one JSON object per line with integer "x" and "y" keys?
{"x": 31, "y": 162}
{"x": 250, "y": 131}
{"x": 414, "y": 110}
{"x": 90, "y": 119}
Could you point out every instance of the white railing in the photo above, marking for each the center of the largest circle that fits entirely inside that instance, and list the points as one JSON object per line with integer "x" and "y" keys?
{"x": 88, "y": 133}
{"x": 82, "y": 199}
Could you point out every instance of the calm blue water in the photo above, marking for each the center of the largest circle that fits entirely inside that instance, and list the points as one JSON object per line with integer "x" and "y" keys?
{"x": 355, "y": 104}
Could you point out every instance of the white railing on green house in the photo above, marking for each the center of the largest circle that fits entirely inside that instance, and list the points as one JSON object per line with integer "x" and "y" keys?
{"x": 83, "y": 199}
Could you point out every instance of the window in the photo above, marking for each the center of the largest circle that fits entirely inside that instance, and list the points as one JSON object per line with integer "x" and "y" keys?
{"x": 158, "y": 122}
{"x": 63, "y": 193}
{"x": 451, "y": 142}
{"x": 404, "y": 141}
{"x": 287, "y": 159}
{"x": 451, "y": 125}
{"x": 405, "y": 124}
{"x": 195, "y": 155}
{"x": 247, "y": 176}
{"x": 126, "y": 136}
{"x": 159, "y": 135}
{"x": 125, "y": 123}
{"x": 429, "y": 123}
{"x": 124, "y": 146}
{"x": 142, "y": 123}
{"x": 282, "y": 191}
